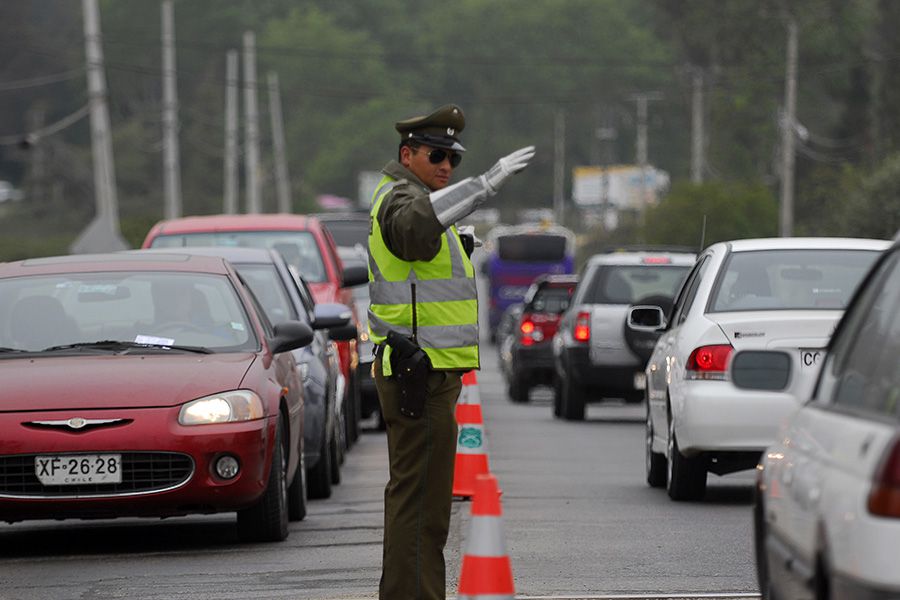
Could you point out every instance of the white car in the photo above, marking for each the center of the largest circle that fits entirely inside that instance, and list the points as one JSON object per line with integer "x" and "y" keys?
{"x": 827, "y": 514}
{"x": 785, "y": 293}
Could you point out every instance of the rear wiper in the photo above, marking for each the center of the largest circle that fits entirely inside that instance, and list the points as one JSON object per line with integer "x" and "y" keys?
{"x": 4, "y": 350}
{"x": 123, "y": 345}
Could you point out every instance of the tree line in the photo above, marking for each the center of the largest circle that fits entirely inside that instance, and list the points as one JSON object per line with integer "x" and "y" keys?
{"x": 349, "y": 70}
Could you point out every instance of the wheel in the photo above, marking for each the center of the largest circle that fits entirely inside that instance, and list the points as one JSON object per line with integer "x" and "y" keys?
{"x": 518, "y": 389}
{"x": 572, "y": 400}
{"x": 759, "y": 548}
{"x": 297, "y": 493}
{"x": 337, "y": 457}
{"x": 655, "y": 463}
{"x": 686, "y": 476}
{"x": 320, "y": 474}
{"x": 557, "y": 398}
{"x": 267, "y": 520}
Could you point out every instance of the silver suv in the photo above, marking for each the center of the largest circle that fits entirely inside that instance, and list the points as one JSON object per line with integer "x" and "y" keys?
{"x": 595, "y": 355}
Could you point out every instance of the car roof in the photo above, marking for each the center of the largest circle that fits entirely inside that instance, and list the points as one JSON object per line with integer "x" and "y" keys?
{"x": 247, "y": 222}
{"x": 803, "y": 243}
{"x": 118, "y": 261}
{"x": 236, "y": 255}
{"x": 569, "y": 278}
{"x": 361, "y": 216}
{"x": 644, "y": 258}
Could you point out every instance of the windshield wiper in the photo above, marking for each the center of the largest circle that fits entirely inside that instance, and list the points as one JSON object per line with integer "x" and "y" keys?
{"x": 12, "y": 350}
{"x": 116, "y": 345}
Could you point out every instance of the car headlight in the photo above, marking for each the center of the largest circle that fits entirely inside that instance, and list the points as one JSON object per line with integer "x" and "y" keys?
{"x": 227, "y": 407}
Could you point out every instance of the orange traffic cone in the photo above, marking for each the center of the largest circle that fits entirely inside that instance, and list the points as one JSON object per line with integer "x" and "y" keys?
{"x": 471, "y": 452}
{"x": 486, "y": 572}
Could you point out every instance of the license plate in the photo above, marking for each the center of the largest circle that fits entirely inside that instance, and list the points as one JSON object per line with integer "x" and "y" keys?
{"x": 73, "y": 469}
{"x": 810, "y": 357}
{"x": 640, "y": 381}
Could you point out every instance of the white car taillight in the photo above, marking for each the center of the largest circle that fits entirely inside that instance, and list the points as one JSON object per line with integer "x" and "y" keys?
{"x": 709, "y": 362}
{"x": 884, "y": 497}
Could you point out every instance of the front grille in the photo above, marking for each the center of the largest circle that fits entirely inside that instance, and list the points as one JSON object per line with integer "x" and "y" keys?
{"x": 142, "y": 472}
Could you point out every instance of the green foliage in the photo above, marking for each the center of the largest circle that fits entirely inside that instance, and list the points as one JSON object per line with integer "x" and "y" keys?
{"x": 731, "y": 211}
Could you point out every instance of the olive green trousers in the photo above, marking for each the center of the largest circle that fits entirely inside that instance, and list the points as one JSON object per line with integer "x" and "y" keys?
{"x": 419, "y": 494}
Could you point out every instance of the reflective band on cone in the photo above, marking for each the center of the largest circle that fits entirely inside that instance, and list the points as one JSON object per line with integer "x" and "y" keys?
{"x": 471, "y": 451}
{"x": 486, "y": 572}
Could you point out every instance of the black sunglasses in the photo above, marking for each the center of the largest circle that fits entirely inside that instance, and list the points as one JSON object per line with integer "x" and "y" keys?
{"x": 437, "y": 156}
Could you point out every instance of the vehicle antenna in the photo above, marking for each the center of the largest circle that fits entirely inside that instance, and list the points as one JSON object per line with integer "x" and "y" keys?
{"x": 703, "y": 234}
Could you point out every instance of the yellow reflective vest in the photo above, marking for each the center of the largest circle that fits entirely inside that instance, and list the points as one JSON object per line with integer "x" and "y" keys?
{"x": 433, "y": 300}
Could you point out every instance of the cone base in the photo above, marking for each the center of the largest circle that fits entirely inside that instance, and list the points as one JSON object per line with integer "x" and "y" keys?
{"x": 486, "y": 575}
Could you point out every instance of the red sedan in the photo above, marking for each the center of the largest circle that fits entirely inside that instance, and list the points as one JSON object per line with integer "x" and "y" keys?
{"x": 135, "y": 385}
{"x": 307, "y": 246}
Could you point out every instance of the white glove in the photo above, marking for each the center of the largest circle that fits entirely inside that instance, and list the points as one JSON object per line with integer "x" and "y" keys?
{"x": 506, "y": 167}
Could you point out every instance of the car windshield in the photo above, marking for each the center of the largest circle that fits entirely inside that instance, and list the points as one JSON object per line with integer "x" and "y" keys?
{"x": 550, "y": 299}
{"x": 349, "y": 233}
{"x": 299, "y": 248}
{"x": 628, "y": 284}
{"x": 268, "y": 288}
{"x": 790, "y": 279}
{"x": 150, "y": 309}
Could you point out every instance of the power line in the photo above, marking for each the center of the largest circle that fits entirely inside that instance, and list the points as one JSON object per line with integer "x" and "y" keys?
{"x": 58, "y": 126}
{"x": 22, "y": 84}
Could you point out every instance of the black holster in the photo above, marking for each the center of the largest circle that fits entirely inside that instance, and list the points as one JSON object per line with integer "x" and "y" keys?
{"x": 410, "y": 366}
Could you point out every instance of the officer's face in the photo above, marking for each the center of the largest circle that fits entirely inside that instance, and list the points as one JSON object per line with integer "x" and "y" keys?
{"x": 435, "y": 176}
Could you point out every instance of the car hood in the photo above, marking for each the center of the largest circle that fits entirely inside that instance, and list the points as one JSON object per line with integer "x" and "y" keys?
{"x": 778, "y": 329}
{"x": 135, "y": 381}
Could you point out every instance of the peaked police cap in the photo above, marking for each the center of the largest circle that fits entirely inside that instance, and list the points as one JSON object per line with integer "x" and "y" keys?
{"x": 440, "y": 129}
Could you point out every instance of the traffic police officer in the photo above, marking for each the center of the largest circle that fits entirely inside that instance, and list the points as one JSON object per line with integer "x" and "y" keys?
{"x": 423, "y": 316}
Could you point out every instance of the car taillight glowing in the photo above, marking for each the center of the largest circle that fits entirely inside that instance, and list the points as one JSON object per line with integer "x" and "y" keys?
{"x": 708, "y": 362}
{"x": 884, "y": 497}
{"x": 582, "y": 331}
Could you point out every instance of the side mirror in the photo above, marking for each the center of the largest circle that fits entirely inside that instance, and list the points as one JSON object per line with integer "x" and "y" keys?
{"x": 355, "y": 275}
{"x": 646, "y": 318}
{"x": 331, "y": 315}
{"x": 343, "y": 334}
{"x": 290, "y": 335}
{"x": 761, "y": 370}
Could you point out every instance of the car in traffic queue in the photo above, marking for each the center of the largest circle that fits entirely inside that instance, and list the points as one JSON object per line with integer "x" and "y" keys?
{"x": 147, "y": 385}
{"x": 785, "y": 293}
{"x": 530, "y": 345}
{"x": 306, "y": 245}
{"x": 595, "y": 355}
{"x": 284, "y": 296}
{"x": 827, "y": 510}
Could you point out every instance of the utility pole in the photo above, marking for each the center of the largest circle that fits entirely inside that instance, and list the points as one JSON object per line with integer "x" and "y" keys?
{"x": 282, "y": 180}
{"x": 787, "y": 132}
{"x": 559, "y": 165}
{"x": 171, "y": 158}
{"x": 641, "y": 144}
{"x": 231, "y": 133}
{"x": 102, "y": 234}
{"x": 698, "y": 161}
{"x": 251, "y": 125}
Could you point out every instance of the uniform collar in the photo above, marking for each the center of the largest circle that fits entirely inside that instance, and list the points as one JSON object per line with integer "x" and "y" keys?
{"x": 396, "y": 171}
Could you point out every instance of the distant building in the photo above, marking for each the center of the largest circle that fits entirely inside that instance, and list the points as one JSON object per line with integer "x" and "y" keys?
{"x": 617, "y": 188}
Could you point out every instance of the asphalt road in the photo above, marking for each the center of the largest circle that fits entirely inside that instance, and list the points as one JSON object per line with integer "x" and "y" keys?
{"x": 579, "y": 521}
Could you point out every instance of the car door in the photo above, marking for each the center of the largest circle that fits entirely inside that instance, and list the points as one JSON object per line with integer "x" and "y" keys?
{"x": 836, "y": 442}
{"x": 663, "y": 361}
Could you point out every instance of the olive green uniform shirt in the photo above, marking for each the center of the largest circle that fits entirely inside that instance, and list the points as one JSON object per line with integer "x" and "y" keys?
{"x": 409, "y": 227}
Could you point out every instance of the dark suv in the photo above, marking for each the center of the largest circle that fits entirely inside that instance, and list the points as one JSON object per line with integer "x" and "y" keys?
{"x": 530, "y": 342}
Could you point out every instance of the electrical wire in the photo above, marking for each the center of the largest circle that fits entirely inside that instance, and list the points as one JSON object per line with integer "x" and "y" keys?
{"x": 23, "y": 84}
{"x": 56, "y": 127}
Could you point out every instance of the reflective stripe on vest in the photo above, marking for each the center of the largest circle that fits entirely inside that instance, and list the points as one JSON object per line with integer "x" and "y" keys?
{"x": 446, "y": 303}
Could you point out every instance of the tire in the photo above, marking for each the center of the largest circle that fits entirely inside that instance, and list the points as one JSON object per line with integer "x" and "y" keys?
{"x": 267, "y": 520}
{"x": 557, "y": 398}
{"x": 656, "y": 464}
{"x": 572, "y": 404}
{"x": 759, "y": 547}
{"x": 686, "y": 476}
{"x": 297, "y": 493}
{"x": 518, "y": 389}
{"x": 320, "y": 475}
{"x": 334, "y": 451}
